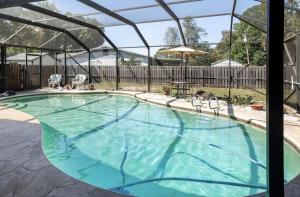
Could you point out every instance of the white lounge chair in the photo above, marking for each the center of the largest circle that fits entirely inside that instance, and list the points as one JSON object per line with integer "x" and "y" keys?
{"x": 54, "y": 79}
{"x": 80, "y": 80}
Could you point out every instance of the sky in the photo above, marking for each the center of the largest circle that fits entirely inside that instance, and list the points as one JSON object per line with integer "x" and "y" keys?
{"x": 125, "y": 35}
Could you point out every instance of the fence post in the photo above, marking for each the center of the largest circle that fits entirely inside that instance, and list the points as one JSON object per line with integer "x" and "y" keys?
{"x": 203, "y": 80}
{"x": 144, "y": 74}
{"x": 66, "y": 69}
{"x": 41, "y": 63}
{"x": 89, "y": 66}
{"x": 149, "y": 71}
{"x": 25, "y": 70}
{"x": 172, "y": 79}
{"x": 117, "y": 69}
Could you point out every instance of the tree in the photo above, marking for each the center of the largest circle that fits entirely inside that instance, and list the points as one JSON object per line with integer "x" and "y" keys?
{"x": 130, "y": 62}
{"x": 255, "y": 43}
{"x": 192, "y": 32}
{"x": 172, "y": 37}
{"x": 291, "y": 19}
{"x": 193, "y": 35}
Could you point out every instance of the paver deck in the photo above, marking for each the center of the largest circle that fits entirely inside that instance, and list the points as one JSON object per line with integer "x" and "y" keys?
{"x": 25, "y": 171}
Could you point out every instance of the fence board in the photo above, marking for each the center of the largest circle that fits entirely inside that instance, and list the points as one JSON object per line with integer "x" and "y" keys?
{"x": 252, "y": 77}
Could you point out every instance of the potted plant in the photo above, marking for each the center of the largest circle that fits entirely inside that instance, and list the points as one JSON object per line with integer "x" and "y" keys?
{"x": 91, "y": 86}
{"x": 167, "y": 90}
{"x": 68, "y": 87}
{"x": 257, "y": 106}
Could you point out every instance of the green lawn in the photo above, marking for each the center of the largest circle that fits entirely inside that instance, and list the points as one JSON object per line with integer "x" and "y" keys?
{"x": 218, "y": 92}
{"x": 221, "y": 92}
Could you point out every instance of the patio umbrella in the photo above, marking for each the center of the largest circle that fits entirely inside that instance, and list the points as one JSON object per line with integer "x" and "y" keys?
{"x": 183, "y": 52}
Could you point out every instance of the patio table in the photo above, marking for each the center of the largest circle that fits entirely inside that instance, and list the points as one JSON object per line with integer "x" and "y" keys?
{"x": 181, "y": 88}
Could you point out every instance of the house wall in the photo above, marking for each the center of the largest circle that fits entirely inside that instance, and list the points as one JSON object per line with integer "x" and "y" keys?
{"x": 226, "y": 64}
{"x": 106, "y": 58}
{"x": 46, "y": 60}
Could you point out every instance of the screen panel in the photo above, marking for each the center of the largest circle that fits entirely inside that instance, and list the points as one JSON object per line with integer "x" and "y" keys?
{"x": 91, "y": 38}
{"x": 125, "y": 4}
{"x": 32, "y": 37}
{"x": 253, "y": 12}
{"x": 123, "y": 36}
{"x": 8, "y": 28}
{"x": 202, "y": 8}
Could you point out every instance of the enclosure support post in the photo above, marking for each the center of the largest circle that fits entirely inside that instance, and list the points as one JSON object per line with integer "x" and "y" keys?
{"x": 41, "y": 63}
{"x": 117, "y": 69}
{"x": 298, "y": 72}
{"x": 149, "y": 72}
{"x": 55, "y": 62}
{"x": 25, "y": 70}
{"x": 185, "y": 69}
{"x": 65, "y": 59}
{"x": 66, "y": 68}
{"x": 2, "y": 68}
{"x": 230, "y": 43}
{"x": 89, "y": 65}
{"x": 275, "y": 27}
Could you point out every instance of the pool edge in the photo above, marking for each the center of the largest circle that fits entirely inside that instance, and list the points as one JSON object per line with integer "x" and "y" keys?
{"x": 288, "y": 139}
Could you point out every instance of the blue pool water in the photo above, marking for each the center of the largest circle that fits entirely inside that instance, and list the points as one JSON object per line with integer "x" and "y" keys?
{"x": 133, "y": 147}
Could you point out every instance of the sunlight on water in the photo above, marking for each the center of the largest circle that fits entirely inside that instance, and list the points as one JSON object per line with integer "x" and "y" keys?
{"x": 129, "y": 146}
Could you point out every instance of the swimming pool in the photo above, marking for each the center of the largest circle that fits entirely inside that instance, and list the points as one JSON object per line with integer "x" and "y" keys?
{"x": 133, "y": 147}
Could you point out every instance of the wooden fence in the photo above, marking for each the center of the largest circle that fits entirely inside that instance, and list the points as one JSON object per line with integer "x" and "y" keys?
{"x": 251, "y": 77}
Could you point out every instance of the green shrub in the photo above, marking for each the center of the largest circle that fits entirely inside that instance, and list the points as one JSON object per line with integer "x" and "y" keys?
{"x": 167, "y": 90}
{"x": 240, "y": 100}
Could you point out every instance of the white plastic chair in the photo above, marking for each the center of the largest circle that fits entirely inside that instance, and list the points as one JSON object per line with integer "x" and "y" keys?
{"x": 54, "y": 79}
{"x": 80, "y": 80}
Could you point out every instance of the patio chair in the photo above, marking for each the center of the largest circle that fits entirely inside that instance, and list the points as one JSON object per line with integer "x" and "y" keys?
{"x": 80, "y": 80}
{"x": 214, "y": 106}
{"x": 197, "y": 102}
{"x": 54, "y": 79}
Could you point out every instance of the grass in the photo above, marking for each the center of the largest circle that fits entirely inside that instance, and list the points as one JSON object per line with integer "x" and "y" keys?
{"x": 221, "y": 92}
{"x": 129, "y": 86}
{"x": 218, "y": 92}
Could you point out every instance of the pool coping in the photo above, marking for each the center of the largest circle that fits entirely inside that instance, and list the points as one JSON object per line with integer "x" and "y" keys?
{"x": 167, "y": 102}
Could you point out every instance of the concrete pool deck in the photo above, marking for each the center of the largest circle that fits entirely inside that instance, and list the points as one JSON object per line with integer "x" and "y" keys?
{"x": 25, "y": 171}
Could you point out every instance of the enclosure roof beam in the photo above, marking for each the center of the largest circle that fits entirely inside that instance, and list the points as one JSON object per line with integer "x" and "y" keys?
{"x": 173, "y": 15}
{"x": 30, "y": 47}
{"x": 241, "y": 18}
{"x": 142, "y": 22}
{"x": 41, "y": 25}
{"x": 77, "y": 40}
{"x": 14, "y": 34}
{"x": 53, "y": 38}
{"x": 13, "y": 3}
{"x": 68, "y": 19}
{"x": 151, "y": 6}
{"x": 106, "y": 11}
